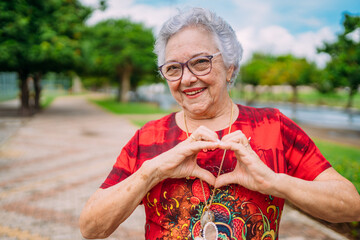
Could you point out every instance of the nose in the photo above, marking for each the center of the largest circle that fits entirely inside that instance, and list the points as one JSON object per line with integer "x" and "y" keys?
{"x": 188, "y": 77}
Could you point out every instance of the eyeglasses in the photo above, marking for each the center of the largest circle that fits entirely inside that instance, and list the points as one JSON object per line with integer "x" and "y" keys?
{"x": 199, "y": 66}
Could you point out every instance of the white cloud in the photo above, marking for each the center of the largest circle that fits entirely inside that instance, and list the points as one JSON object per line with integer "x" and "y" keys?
{"x": 256, "y": 12}
{"x": 354, "y": 35}
{"x": 151, "y": 16}
{"x": 257, "y": 25}
{"x": 296, "y": 16}
{"x": 278, "y": 41}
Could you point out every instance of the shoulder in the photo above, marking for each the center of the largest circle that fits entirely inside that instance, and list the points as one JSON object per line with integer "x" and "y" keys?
{"x": 159, "y": 131}
{"x": 161, "y": 124}
{"x": 259, "y": 114}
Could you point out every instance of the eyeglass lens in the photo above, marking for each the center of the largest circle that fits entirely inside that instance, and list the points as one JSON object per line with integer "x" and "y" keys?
{"x": 198, "y": 66}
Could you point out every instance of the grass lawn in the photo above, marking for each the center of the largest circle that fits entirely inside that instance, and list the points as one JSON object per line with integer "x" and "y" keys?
{"x": 128, "y": 108}
{"x": 46, "y": 100}
{"x": 345, "y": 159}
{"x": 138, "y": 113}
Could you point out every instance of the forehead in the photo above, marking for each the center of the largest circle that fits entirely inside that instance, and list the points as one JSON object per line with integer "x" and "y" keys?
{"x": 189, "y": 42}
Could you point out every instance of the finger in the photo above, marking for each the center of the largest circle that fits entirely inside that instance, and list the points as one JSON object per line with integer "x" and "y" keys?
{"x": 225, "y": 179}
{"x": 204, "y": 175}
{"x": 237, "y": 137}
{"x": 243, "y": 154}
{"x": 234, "y": 146}
{"x": 247, "y": 144}
{"x": 195, "y": 147}
{"x": 204, "y": 134}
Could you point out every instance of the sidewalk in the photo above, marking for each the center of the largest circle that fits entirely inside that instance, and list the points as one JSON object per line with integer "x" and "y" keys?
{"x": 51, "y": 163}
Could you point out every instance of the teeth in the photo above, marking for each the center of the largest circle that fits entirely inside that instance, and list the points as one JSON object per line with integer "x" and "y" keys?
{"x": 193, "y": 92}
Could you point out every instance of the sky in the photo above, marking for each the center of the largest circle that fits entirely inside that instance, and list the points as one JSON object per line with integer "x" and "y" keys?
{"x": 270, "y": 26}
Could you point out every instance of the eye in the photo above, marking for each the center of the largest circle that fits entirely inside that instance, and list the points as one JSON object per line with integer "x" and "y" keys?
{"x": 200, "y": 63}
{"x": 172, "y": 69}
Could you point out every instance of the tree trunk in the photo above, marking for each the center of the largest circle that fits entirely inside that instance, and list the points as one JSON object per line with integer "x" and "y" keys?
{"x": 37, "y": 88}
{"x": 294, "y": 101}
{"x": 254, "y": 96}
{"x": 24, "y": 93}
{"x": 295, "y": 94}
{"x": 125, "y": 83}
{"x": 350, "y": 98}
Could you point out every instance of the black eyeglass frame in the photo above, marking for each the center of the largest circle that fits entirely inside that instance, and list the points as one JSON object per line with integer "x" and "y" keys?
{"x": 210, "y": 57}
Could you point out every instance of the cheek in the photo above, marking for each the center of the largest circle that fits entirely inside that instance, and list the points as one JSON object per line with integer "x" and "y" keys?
{"x": 218, "y": 80}
{"x": 174, "y": 87}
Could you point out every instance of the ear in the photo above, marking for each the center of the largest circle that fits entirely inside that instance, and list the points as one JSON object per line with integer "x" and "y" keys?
{"x": 229, "y": 73}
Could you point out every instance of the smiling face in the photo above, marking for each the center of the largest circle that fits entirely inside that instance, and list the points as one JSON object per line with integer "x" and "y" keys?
{"x": 199, "y": 96}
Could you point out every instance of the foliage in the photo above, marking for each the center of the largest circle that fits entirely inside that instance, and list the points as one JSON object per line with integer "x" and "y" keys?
{"x": 292, "y": 71}
{"x": 40, "y": 36}
{"x": 271, "y": 70}
{"x": 344, "y": 67}
{"x": 121, "y": 50}
{"x": 257, "y": 69}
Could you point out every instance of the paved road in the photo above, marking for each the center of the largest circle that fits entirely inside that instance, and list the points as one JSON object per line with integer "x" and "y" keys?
{"x": 51, "y": 163}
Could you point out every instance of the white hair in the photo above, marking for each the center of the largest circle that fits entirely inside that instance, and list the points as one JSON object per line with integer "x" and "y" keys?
{"x": 224, "y": 35}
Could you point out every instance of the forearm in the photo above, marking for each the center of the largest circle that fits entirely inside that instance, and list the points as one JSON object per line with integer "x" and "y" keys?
{"x": 333, "y": 200}
{"x": 108, "y": 208}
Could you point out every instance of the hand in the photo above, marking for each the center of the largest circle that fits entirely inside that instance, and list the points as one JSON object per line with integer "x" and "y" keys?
{"x": 180, "y": 161}
{"x": 249, "y": 171}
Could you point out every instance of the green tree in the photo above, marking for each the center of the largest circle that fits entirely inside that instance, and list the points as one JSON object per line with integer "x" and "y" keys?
{"x": 344, "y": 67}
{"x": 37, "y": 37}
{"x": 255, "y": 72}
{"x": 292, "y": 71}
{"x": 121, "y": 50}
{"x": 269, "y": 70}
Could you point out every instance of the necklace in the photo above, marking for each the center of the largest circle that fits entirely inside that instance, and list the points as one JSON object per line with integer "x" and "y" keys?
{"x": 208, "y": 228}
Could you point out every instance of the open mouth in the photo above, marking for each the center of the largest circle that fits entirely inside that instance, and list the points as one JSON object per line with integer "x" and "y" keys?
{"x": 193, "y": 92}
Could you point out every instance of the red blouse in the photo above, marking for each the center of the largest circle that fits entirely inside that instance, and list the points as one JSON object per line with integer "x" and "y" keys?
{"x": 174, "y": 206}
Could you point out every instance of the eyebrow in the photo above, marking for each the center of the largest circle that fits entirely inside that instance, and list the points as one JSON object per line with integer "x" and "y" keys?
{"x": 193, "y": 56}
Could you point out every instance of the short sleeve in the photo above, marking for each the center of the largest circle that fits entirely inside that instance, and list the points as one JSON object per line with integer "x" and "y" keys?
{"x": 304, "y": 159}
{"x": 125, "y": 163}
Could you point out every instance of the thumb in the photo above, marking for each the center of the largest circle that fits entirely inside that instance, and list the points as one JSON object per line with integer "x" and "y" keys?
{"x": 204, "y": 175}
{"x": 225, "y": 179}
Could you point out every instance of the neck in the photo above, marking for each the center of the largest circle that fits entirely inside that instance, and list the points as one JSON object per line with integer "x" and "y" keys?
{"x": 214, "y": 121}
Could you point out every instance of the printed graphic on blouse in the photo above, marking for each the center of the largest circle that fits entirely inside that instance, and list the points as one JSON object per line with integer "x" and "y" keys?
{"x": 174, "y": 207}
{"x": 181, "y": 205}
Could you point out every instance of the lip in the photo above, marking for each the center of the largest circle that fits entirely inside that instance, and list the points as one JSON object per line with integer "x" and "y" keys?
{"x": 193, "y": 92}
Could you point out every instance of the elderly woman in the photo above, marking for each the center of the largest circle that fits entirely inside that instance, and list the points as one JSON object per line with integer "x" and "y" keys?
{"x": 214, "y": 169}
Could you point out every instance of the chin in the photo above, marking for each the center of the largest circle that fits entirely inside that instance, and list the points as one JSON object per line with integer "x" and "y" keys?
{"x": 196, "y": 109}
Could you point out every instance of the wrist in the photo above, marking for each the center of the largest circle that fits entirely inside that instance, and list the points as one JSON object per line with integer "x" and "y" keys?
{"x": 280, "y": 188}
{"x": 150, "y": 172}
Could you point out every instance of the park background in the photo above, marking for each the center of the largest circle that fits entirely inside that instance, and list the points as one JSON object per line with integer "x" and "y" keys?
{"x": 302, "y": 58}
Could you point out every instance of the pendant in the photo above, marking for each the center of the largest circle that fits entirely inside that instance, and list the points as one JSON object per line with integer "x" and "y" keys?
{"x": 207, "y": 217}
{"x": 210, "y": 231}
